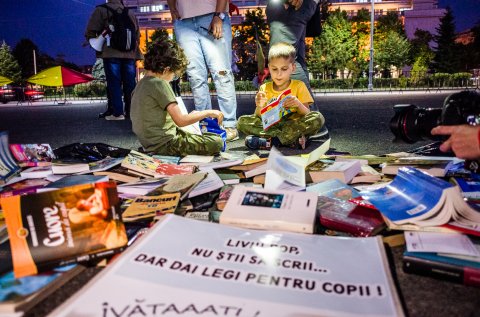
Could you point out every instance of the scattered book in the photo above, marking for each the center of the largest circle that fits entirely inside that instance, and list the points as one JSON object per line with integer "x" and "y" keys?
{"x": 273, "y": 112}
{"x": 18, "y": 295}
{"x": 69, "y": 225}
{"x": 210, "y": 183}
{"x": 442, "y": 267}
{"x": 25, "y": 186}
{"x": 72, "y": 180}
{"x": 250, "y": 163}
{"x": 62, "y": 167}
{"x": 334, "y": 188}
{"x": 141, "y": 187}
{"x": 32, "y": 154}
{"x": 8, "y": 166}
{"x": 435, "y": 166}
{"x": 36, "y": 172}
{"x": 167, "y": 159}
{"x": 342, "y": 170}
{"x": 356, "y": 220}
{"x": 189, "y": 159}
{"x": 182, "y": 184}
{"x": 147, "y": 207}
{"x": 270, "y": 210}
{"x": 247, "y": 272}
{"x": 119, "y": 174}
{"x": 367, "y": 175}
{"x": 223, "y": 196}
{"x": 150, "y": 167}
{"x": 104, "y": 164}
{"x": 415, "y": 197}
{"x": 470, "y": 186}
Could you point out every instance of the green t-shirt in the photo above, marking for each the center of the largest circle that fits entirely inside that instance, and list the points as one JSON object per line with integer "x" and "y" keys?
{"x": 151, "y": 122}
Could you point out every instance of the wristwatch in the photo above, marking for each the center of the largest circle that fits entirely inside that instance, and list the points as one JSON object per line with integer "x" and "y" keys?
{"x": 221, "y": 15}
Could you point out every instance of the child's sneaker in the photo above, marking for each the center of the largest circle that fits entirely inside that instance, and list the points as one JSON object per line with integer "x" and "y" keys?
{"x": 258, "y": 143}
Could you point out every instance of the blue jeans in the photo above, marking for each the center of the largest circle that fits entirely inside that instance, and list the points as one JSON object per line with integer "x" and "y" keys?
{"x": 204, "y": 54}
{"x": 121, "y": 79}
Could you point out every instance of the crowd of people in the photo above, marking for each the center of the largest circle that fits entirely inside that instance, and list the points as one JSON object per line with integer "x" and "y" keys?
{"x": 203, "y": 47}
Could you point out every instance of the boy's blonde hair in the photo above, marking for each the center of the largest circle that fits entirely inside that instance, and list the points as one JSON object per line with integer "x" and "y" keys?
{"x": 283, "y": 50}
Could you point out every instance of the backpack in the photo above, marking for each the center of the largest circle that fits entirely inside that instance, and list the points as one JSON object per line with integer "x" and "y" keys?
{"x": 124, "y": 36}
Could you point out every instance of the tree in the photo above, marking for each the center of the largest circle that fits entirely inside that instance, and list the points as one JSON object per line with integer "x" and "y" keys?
{"x": 244, "y": 43}
{"x": 446, "y": 54}
{"x": 392, "y": 51}
{"x": 23, "y": 52}
{"x": 361, "y": 33}
{"x": 335, "y": 48}
{"x": 389, "y": 22}
{"x": 8, "y": 64}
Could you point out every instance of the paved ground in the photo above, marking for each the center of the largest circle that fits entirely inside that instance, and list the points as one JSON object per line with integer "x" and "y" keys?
{"x": 358, "y": 123}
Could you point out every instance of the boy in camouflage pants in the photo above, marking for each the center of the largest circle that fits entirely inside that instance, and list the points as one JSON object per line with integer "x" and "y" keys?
{"x": 292, "y": 130}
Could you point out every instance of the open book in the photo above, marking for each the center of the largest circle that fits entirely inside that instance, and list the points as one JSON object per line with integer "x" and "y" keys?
{"x": 418, "y": 198}
{"x": 184, "y": 267}
{"x": 275, "y": 111}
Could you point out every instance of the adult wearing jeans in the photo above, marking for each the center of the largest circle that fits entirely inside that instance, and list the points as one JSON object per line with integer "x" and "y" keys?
{"x": 119, "y": 66}
{"x": 203, "y": 30}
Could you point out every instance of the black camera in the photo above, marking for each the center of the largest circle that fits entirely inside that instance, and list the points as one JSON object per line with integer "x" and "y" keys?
{"x": 411, "y": 123}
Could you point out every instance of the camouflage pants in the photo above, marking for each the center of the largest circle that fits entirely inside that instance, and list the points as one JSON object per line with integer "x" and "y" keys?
{"x": 186, "y": 143}
{"x": 287, "y": 131}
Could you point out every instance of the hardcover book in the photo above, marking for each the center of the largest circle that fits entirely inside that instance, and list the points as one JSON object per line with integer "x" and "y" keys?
{"x": 272, "y": 113}
{"x": 69, "y": 225}
{"x": 418, "y": 198}
{"x": 32, "y": 154}
{"x": 197, "y": 268}
{"x": 257, "y": 208}
{"x": 442, "y": 267}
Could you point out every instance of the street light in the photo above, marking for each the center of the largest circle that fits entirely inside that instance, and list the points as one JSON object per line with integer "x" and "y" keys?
{"x": 372, "y": 25}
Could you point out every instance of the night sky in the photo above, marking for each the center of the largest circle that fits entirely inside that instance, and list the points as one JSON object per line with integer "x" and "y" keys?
{"x": 57, "y": 26}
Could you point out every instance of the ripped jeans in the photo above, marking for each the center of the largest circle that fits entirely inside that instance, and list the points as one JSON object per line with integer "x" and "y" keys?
{"x": 204, "y": 54}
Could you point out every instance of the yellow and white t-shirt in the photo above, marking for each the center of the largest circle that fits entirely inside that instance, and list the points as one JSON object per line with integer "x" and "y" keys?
{"x": 298, "y": 88}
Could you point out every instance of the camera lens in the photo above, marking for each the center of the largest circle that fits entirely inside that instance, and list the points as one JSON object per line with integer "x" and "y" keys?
{"x": 411, "y": 123}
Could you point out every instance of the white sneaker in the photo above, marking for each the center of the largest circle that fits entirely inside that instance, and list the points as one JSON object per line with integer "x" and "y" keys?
{"x": 112, "y": 117}
{"x": 232, "y": 134}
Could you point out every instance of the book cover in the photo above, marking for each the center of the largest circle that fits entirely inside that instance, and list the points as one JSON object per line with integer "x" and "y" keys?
{"x": 21, "y": 294}
{"x": 223, "y": 196}
{"x": 8, "y": 166}
{"x": 36, "y": 172}
{"x": 348, "y": 217}
{"x": 147, "y": 165}
{"x": 72, "y": 180}
{"x": 470, "y": 186}
{"x": 189, "y": 267}
{"x": 72, "y": 224}
{"x": 334, "y": 188}
{"x": 442, "y": 267}
{"x": 145, "y": 207}
{"x": 418, "y": 198}
{"x": 59, "y": 167}
{"x": 25, "y": 186}
{"x": 120, "y": 174}
{"x": 342, "y": 170}
{"x": 273, "y": 112}
{"x": 257, "y": 208}
{"x": 32, "y": 154}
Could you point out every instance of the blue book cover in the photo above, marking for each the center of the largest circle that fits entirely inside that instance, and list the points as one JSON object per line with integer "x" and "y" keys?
{"x": 334, "y": 188}
{"x": 470, "y": 186}
{"x": 411, "y": 196}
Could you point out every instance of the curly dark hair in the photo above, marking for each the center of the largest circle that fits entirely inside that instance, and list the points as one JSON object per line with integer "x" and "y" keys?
{"x": 163, "y": 53}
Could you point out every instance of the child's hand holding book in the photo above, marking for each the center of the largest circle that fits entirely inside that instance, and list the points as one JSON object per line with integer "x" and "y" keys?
{"x": 294, "y": 105}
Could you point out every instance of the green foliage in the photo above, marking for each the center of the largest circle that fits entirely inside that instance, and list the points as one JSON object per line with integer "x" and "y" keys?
{"x": 91, "y": 89}
{"x": 335, "y": 48}
{"x": 393, "y": 50}
{"x": 244, "y": 44}
{"x": 8, "y": 64}
{"x": 446, "y": 55}
{"x": 389, "y": 23}
{"x": 23, "y": 52}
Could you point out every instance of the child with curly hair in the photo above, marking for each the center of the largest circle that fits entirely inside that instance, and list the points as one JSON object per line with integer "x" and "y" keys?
{"x": 156, "y": 117}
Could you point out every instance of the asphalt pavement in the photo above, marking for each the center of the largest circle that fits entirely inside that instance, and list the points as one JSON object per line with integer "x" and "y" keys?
{"x": 358, "y": 122}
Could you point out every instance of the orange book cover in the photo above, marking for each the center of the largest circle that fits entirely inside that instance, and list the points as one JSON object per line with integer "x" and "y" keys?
{"x": 69, "y": 225}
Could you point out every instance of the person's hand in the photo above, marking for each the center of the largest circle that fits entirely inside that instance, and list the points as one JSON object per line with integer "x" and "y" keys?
{"x": 216, "y": 27}
{"x": 174, "y": 13}
{"x": 216, "y": 114}
{"x": 295, "y": 3}
{"x": 292, "y": 102}
{"x": 261, "y": 99}
{"x": 463, "y": 140}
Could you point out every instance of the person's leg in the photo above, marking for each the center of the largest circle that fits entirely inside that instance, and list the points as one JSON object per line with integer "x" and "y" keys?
{"x": 186, "y": 143}
{"x": 186, "y": 33}
{"x": 114, "y": 84}
{"x": 252, "y": 125}
{"x": 129, "y": 74}
{"x": 218, "y": 56}
{"x": 308, "y": 125}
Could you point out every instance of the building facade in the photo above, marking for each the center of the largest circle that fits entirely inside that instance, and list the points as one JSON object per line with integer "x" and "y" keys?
{"x": 416, "y": 14}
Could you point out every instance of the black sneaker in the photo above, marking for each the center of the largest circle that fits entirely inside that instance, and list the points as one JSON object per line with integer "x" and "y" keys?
{"x": 258, "y": 143}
